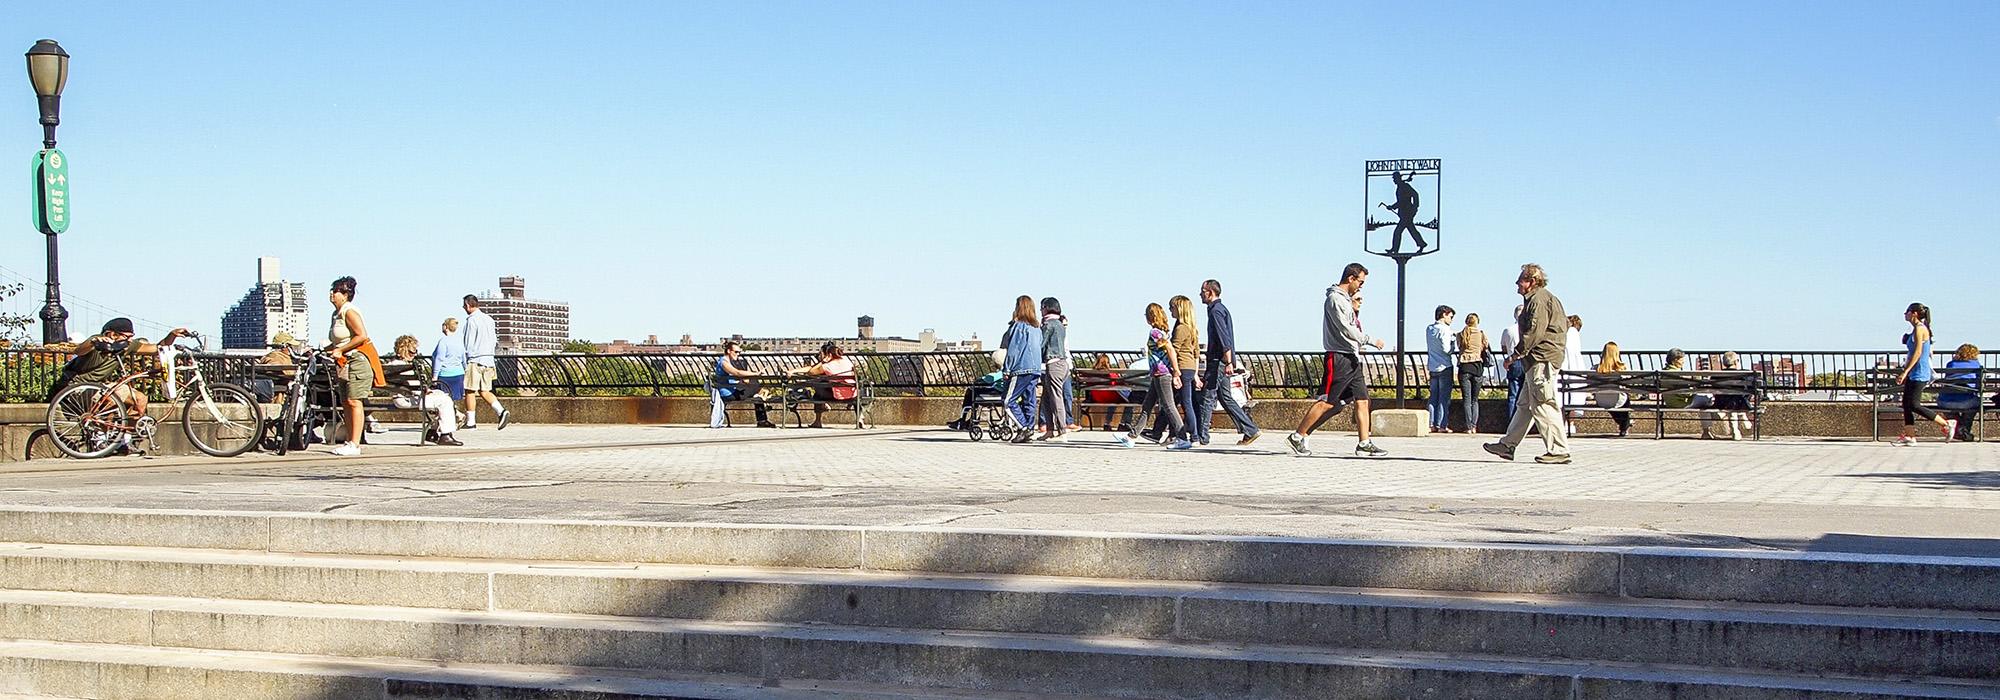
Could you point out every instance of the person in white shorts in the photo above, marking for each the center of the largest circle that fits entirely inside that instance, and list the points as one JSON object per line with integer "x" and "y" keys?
{"x": 481, "y": 341}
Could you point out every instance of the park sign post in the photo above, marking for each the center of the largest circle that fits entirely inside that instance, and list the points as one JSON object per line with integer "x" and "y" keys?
{"x": 51, "y": 208}
{"x": 1404, "y": 179}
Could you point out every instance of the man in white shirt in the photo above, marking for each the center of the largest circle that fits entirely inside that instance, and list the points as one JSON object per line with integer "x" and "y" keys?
{"x": 481, "y": 342}
{"x": 1515, "y": 370}
{"x": 1439, "y": 347}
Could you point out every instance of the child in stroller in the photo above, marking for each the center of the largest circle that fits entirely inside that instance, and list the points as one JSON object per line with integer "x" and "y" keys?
{"x": 983, "y": 413}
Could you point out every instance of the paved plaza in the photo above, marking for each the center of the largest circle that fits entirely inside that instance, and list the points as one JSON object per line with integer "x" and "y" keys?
{"x": 1783, "y": 494}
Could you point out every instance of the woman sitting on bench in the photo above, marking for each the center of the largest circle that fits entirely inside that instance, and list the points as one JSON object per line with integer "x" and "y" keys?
{"x": 1963, "y": 407}
{"x": 839, "y": 372}
{"x": 426, "y": 398}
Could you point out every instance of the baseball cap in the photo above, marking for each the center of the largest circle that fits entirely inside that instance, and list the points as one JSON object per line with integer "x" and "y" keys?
{"x": 118, "y": 325}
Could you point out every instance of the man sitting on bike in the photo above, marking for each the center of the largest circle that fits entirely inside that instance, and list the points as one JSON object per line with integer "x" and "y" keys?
{"x": 97, "y": 360}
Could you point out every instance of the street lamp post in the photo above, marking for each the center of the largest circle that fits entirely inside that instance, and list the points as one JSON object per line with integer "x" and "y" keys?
{"x": 48, "y": 70}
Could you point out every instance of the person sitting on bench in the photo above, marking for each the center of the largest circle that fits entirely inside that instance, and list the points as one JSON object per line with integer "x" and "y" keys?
{"x": 427, "y": 398}
{"x": 733, "y": 382}
{"x": 1961, "y": 406}
{"x": 839, "y": 372}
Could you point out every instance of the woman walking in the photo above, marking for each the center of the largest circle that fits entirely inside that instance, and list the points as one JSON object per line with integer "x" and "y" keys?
{"x": 1055, "y": 371}
{"x": 1165, "y": 379}
{"x": 1472, "y": 353}
{"x": 1916, "y": 374}
{"x": 357, "y": 365}
{"x": 1023, "y": 343}
{"x": 448, "y": 361}
{"x": 1187, "y": 347}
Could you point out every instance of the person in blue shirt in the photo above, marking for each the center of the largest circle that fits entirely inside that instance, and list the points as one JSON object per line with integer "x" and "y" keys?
{"x": 1917, "y": 373}
{"x": 1962, "y": 406}
{"x": 1438, "y": 345}
{"x": 732, "y": 384}
{"x": 1023, "y": 343}
{"x": 448, "y": 361}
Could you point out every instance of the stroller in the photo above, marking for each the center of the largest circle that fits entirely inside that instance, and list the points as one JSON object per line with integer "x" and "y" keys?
{"x": 983, "y": 413}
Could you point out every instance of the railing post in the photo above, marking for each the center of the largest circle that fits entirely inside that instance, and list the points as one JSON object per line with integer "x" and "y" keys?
{"x": 568, "y": 379}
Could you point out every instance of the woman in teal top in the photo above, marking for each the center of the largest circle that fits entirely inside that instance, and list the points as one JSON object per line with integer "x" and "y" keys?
{"x": 1917, "y": 373}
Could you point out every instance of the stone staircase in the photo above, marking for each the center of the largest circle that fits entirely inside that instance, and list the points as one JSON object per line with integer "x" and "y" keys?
{"x": 183, "y": 604}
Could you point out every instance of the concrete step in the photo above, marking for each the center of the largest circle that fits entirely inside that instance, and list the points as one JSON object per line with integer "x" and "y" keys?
{"x": 970, "y": 661}
{"x": 1812, "y": 578}
{"x": 30, "y": 669}
{"x": 1871, "y": 642}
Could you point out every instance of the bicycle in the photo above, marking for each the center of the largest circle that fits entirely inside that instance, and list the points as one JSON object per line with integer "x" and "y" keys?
{"x": 292, "y": 428}
{"x": 87, "y": 420}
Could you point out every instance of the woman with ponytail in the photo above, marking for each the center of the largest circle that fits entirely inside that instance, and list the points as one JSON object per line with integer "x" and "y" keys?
{"x": 1917, "y": 373}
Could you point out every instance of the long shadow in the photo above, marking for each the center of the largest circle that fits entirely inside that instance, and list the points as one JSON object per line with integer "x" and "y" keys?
{"x": 1982, "y": 480}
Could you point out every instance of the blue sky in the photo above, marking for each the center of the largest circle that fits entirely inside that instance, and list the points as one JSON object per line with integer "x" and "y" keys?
{"x": 1707, "y": 175}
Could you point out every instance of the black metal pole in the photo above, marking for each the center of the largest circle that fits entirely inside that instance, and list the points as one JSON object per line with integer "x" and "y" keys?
{"x": 1402, "y": 294}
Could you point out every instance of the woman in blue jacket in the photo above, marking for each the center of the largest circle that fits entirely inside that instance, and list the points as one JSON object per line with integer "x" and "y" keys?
{"x": 1023, "y": 343}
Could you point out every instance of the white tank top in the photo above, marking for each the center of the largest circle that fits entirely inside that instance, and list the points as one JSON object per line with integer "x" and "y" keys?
{"x": 339, "y": 333}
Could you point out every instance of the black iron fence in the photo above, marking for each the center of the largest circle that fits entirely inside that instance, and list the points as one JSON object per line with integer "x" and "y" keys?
{"x": 26, "y": 375}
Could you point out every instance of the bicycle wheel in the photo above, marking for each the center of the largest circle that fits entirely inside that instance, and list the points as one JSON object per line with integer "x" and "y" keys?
{"x": 289, "y": 418}
{"x": 232, "y": 420}
{"x": 86, "y": 422}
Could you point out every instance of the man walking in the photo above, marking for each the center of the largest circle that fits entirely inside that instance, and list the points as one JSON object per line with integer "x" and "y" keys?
{"x": 1220, "y": 357}
{"x": 1343, "y": 380}
{"x": 1438, "y": 363}
{"x": 1544, "y": 327}
{"x": 481, "y": 342}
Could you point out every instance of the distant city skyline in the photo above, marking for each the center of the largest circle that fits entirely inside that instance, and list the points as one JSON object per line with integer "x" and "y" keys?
{"x": 1703, "y": 175}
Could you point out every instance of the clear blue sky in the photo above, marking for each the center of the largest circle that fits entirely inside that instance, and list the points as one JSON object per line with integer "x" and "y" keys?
{"x": 1715, "y": 175}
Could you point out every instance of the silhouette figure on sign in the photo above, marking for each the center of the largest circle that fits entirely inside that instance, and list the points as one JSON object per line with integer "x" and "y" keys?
{"x": 1406, "y": 212}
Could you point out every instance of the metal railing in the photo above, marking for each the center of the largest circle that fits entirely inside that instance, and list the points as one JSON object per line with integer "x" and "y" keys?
{"x": 26, "y": 375}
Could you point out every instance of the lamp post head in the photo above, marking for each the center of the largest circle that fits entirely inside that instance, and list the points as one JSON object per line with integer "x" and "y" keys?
{"x": 48, "y": 71}
{"x": 48, "y": 68}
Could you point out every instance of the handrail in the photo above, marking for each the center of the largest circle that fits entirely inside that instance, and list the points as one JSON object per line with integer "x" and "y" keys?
{"x": 26, "y": 374}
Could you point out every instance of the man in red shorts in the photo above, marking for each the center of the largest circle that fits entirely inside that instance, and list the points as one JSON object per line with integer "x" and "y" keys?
{"x": 1342, "y": 381}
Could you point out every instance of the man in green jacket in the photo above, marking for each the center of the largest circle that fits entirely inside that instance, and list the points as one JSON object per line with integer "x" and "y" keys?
{"x": 1544, "y": 327}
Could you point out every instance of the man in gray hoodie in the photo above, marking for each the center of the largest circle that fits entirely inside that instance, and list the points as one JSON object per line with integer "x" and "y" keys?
{"x": 1343, "y": 380}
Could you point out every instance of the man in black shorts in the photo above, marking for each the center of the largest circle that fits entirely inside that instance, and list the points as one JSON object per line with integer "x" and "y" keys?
{"x": 1343, "y": 380}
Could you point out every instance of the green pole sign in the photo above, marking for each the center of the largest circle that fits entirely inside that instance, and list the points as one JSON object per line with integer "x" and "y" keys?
{"x": 51, "y": 211}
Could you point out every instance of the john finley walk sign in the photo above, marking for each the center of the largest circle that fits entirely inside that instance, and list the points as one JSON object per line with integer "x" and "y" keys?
{"x": 1406, "y": 191}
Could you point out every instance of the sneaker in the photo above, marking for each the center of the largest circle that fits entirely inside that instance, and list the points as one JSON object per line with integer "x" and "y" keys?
{"x": 1247, "y": 439}
{"x": 1203, "y": 442}
{"x": 1368, "y": 449}
{"x": 1060, "y": 437}
{"x": 1950, "y": 429}
{"x": 449, "y": 441}
{"x": 955, "y": 425}
{"x": 1181, "y": 445}
{"x": 468, "y": 426}
{"x": 1123, "y": 440}
{"x": 347, "y": 449}
{"x": 1297, "y": 443}
{"x": 1498, "y": 450}
{"x": 1552, "y": 458}
{"x": 375, "y": 426}
{"x": 503, "y": 420}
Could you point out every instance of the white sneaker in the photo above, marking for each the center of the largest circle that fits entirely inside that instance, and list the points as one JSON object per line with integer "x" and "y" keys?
{"x": 347, "y": 449}
{"x": 1123, "y": 440}
{"x": 1181, "y": 445}
{"x": 1904, "y": 441}
{"x": 1950, "y": 429}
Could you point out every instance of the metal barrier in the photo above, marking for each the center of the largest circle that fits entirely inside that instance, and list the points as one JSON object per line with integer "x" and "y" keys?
{"x": 26, "y": 375}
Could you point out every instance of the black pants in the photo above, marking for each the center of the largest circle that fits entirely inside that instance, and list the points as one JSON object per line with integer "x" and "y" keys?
{"x": 1913, "y": 407}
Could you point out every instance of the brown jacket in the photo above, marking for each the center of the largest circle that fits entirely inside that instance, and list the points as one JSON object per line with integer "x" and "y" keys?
{"x": 1544, "y": 326}
{"x": 1471, "y": 346}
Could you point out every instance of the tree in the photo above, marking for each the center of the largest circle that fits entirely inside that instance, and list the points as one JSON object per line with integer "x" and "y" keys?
{"x": 13, "y": 327}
